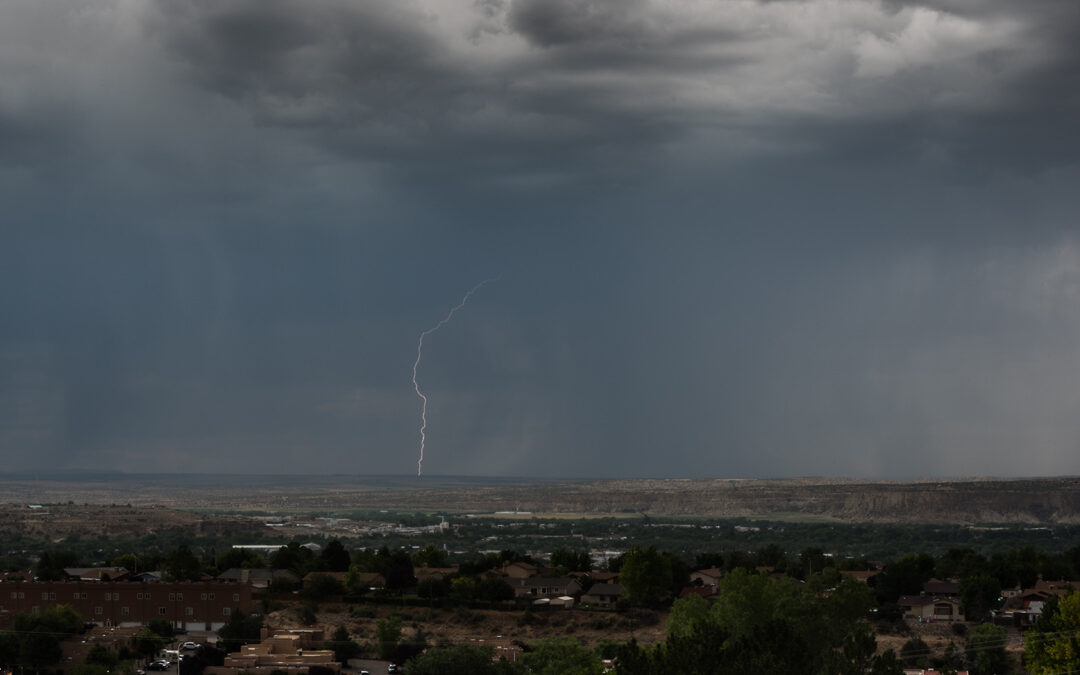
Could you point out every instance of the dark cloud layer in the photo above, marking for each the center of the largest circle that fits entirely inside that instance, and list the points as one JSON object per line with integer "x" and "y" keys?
{"x": 743, "y": 238}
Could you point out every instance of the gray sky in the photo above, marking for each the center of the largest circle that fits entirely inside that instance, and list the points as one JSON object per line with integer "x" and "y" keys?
{"x": 736, "y": 238}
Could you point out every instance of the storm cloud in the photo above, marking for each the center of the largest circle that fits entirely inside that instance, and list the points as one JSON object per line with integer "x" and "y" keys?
{"x": 744, "y": 238}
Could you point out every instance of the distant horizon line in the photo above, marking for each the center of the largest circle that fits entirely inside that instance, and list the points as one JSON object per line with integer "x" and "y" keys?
{"x": 429, "y": 477}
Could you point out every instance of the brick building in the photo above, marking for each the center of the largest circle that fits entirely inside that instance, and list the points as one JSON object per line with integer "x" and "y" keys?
{"x": 189, "y": 605}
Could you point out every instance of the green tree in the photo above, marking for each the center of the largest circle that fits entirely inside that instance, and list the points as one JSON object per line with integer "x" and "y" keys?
{"x": 399, "y": 571}
{"x": 687, "y": 616}
{"x": 886, "y": 663}
{"x": 986, "y": 652}
{"x": 1053, "y": 644}
{"x": 494, "y": 590}
{"x": 430, "y": 556}
{"x": 343, "y": 646}
{"x": 749, "y": 600}
{"x": 293, "y": 557}
{"x": 240, "y": 629}
{"x": 162, "y": 627}
{"x": 101, "y": 655}
{"x": 456, "y": 660}
{"x": 387, "y": 636}
{"x": 334, "y": 557}
{"x": 148, "y": 643}
{"x": 51, "y": 565}
{"x": 906, "y": 576}
{"x": 183, "y": 565}
{"x": 239, "y": 557}
{"x": 434, "y": 587}
{"x": 571, "y": 561}
{"x": 38, "y": 636}
{"x": 464, "y": 588}
{"x": 915, "y": 653}
{"x": 321, "y": 586}
{"x": 9, "y": 651}
{"x": 979, "y": 594}
{"x": 561, "y": 656}
{"x": 645, "y": 574}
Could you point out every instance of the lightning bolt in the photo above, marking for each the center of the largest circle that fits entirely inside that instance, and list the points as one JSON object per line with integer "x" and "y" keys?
{"x": 416, "y": 365}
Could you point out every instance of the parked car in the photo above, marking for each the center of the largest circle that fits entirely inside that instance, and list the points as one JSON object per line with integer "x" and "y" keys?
{"x": 158, "y": 665}
{"x": 392, "y": 668}
{"x": 190, "y": 645}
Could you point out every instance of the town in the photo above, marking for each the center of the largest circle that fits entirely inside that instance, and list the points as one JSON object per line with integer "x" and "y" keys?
{"x": 326, "y": 605}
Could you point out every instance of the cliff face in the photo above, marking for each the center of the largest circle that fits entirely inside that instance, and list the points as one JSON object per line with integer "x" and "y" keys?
{"x": 978, "y": 501}
{"x": 1021, "y": 501}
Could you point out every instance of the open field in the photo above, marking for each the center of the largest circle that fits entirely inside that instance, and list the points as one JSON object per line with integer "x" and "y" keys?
{"x": 961, "y": 501}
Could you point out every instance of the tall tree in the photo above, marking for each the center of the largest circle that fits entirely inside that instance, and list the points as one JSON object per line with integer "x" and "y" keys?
{"x": 334, "y": 558}
{"x": 387, "y": 636}
{"x": 986, "y": 653}
{"x": 645, "y": 574}
{"x": 240, "y": 629}
{"x": 1053, "y": 644}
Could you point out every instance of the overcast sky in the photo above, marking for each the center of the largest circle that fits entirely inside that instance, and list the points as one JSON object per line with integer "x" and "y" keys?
{"x": 735, "y": 237}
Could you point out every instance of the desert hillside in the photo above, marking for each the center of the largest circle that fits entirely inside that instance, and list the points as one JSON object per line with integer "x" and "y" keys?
{"x": 961, "y": 501}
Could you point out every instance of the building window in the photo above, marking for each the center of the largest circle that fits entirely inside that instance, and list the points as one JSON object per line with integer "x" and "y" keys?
{"x": 15, "y": 596}
{"x": 211, "y": 596}
{"x": 179, "y": 596}
{"x": 124, "y": 611}
{"x": 34, "y": 609}
{"x": 204, "y": 596}
{"x": 22, "y": 595}
{"x": 138, "y": 596}
{"x": 189, "y": 611}
{"x": 44, "y": 595}
{"x": 146, "y": 595}
{"x": 161, "y": 611}
{"x": 943, "y": 610}
{"x": 226, "y": 611}
{"x": 108, "y": 596}
{"x": 236, "y": 597}
{"x": 52, "y": 596}
{"x": 98, "y": 610}
{"x": 82, "y": 595}
{"x": 172, "y": 596}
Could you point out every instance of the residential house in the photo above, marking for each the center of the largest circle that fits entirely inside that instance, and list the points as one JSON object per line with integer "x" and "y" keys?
{"x": 597, "y": 577}
{"x": 422, "y": 573}
{"x": 941, "y": 589}
{"x": 706, "y": 592}
{"x": 603, "y": 595}
{"x": 97, "y": 573}
{"x": 707, "y": 577}
{"x": 927, "y": 608}
{"x": 257, "y": 577}
{"x": 544, "y": 587}
{"x": 860, "y": 575}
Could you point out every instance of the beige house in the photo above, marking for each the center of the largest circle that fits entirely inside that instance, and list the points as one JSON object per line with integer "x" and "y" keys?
{"x": 927, "y": 608}
{"x": 288, "y": 650}
{"x": 540, "y": 587}
{"x": 708, "y": 577}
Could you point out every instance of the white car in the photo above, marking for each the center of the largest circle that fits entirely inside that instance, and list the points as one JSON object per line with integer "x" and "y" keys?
{"x": 189, "y": 645}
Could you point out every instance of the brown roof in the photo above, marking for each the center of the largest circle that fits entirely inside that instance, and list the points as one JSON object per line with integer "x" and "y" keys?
{"x": 860, "y": 575}
{"x": 703, "y": 591}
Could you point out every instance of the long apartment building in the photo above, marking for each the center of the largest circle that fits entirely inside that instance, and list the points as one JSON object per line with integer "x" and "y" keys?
{"x": 189, "y": 605}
